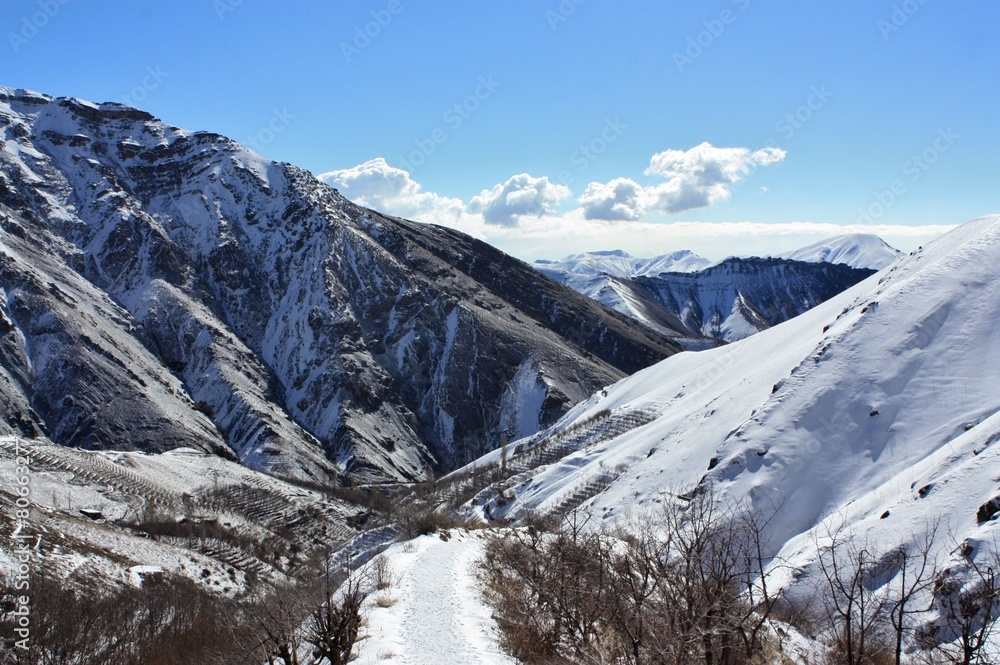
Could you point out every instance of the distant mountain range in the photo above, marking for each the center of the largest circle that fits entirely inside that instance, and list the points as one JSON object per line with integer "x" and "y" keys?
{"x": 687, "y": 296}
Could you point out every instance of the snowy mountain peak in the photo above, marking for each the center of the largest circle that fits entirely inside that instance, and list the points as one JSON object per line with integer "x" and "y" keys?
{"x": 858, "y": 250}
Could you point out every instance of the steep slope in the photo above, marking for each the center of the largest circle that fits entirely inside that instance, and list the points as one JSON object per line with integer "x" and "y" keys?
{"x": 740, "y": 297}
{"x": 858, "y": 250}
{"x": 878, "y": 409}
{"x": 72, "y": 362}
{"x": 318, "y": 336}
{"x": 682, "y": 295}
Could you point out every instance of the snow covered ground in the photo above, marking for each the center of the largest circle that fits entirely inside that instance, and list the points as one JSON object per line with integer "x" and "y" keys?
{"x": 434, "y": 613}
{"x": 86, "y": 507}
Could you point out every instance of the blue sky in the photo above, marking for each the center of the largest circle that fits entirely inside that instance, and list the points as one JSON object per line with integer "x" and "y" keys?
{"x": 729, "y": 126}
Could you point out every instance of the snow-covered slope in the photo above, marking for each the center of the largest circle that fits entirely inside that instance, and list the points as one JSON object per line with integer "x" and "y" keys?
{"x": 858, "y": 250}
{"x": 185, "y": 291}
{"x": 102, "y": 519}
{"x": 879, "y": 408}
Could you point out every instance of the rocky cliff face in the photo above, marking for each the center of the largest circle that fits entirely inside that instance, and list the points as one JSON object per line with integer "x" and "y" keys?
{"x": 739, "y": 297}
{"x": 162, "y": 288}
{"x": 698, "y": 305}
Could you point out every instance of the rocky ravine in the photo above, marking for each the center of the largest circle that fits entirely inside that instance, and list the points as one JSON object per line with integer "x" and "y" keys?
{"x": 162, "y": 288}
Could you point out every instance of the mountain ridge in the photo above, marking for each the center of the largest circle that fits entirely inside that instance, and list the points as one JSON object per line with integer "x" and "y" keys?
{"x": 316, "y": 337}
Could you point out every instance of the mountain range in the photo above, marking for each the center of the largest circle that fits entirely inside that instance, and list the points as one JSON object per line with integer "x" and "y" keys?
{"x": 703, "y": 303}
{"x": 164, "y": 288}
{"x": 179, "y": 314}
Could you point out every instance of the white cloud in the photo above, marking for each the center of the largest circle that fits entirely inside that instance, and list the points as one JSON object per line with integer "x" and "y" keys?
{"x": 493, "y": 215}
{"x": 521, "y": 196}
{"x": 696, "y": 178}
{"x": 619, "y": 200}
{"x": 377, "y": 185}
{"x": 702, "y": 175}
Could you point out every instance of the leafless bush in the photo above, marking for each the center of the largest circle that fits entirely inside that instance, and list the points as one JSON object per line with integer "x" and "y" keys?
{"x": 333, "y": 625}
{"x": 691, "y": 587}
{"x": 171, "y": 622}
{"x": 967, "y": 598}
{"x": 177, "y": 622}
{"x": 418, "y": 519}
{"x": 382, "y": 574}
{"x": 869, "y": 595}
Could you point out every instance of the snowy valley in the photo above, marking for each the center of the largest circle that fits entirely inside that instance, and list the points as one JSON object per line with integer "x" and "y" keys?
{"x": 247, "y": 404}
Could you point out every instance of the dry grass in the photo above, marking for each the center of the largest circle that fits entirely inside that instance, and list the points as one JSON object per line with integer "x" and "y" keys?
{"x": 385, "y": 600}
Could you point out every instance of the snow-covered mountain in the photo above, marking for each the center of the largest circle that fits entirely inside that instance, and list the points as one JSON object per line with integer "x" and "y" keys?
{"x": 858, "y": 250}
{"x": 740, "y": 297}
{"x": 618, "y": 263}
{"x": 878, "y": 409}
{"x": 695, "y": 299}
{"x": 163, "y": 288}
{"x": 683, "y": 295}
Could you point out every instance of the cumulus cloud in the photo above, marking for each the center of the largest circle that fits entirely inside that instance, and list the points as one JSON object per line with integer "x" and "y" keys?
{"x": 695, "y": 178}
{"x": 521, "y": 196}
{"x": 619, "y": 200}
{"x": 703, "y": 175}
{"x": 377, "y": 185}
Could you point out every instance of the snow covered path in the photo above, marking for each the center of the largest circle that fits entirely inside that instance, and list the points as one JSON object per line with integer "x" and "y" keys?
{"x": 438, "y": 616}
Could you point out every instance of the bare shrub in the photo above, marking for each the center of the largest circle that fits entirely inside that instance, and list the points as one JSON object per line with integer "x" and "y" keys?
{"x": 385, "y": 600}
{"x": 177, "y": 622}
{"x": 869, "y": 595}
{"x": 419, "y": 519}
{"x": 382, "y": 574}
{"x": 689, "y": 587}
{"x": 333, "y": 625}
{"x": 968, "y": 600}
